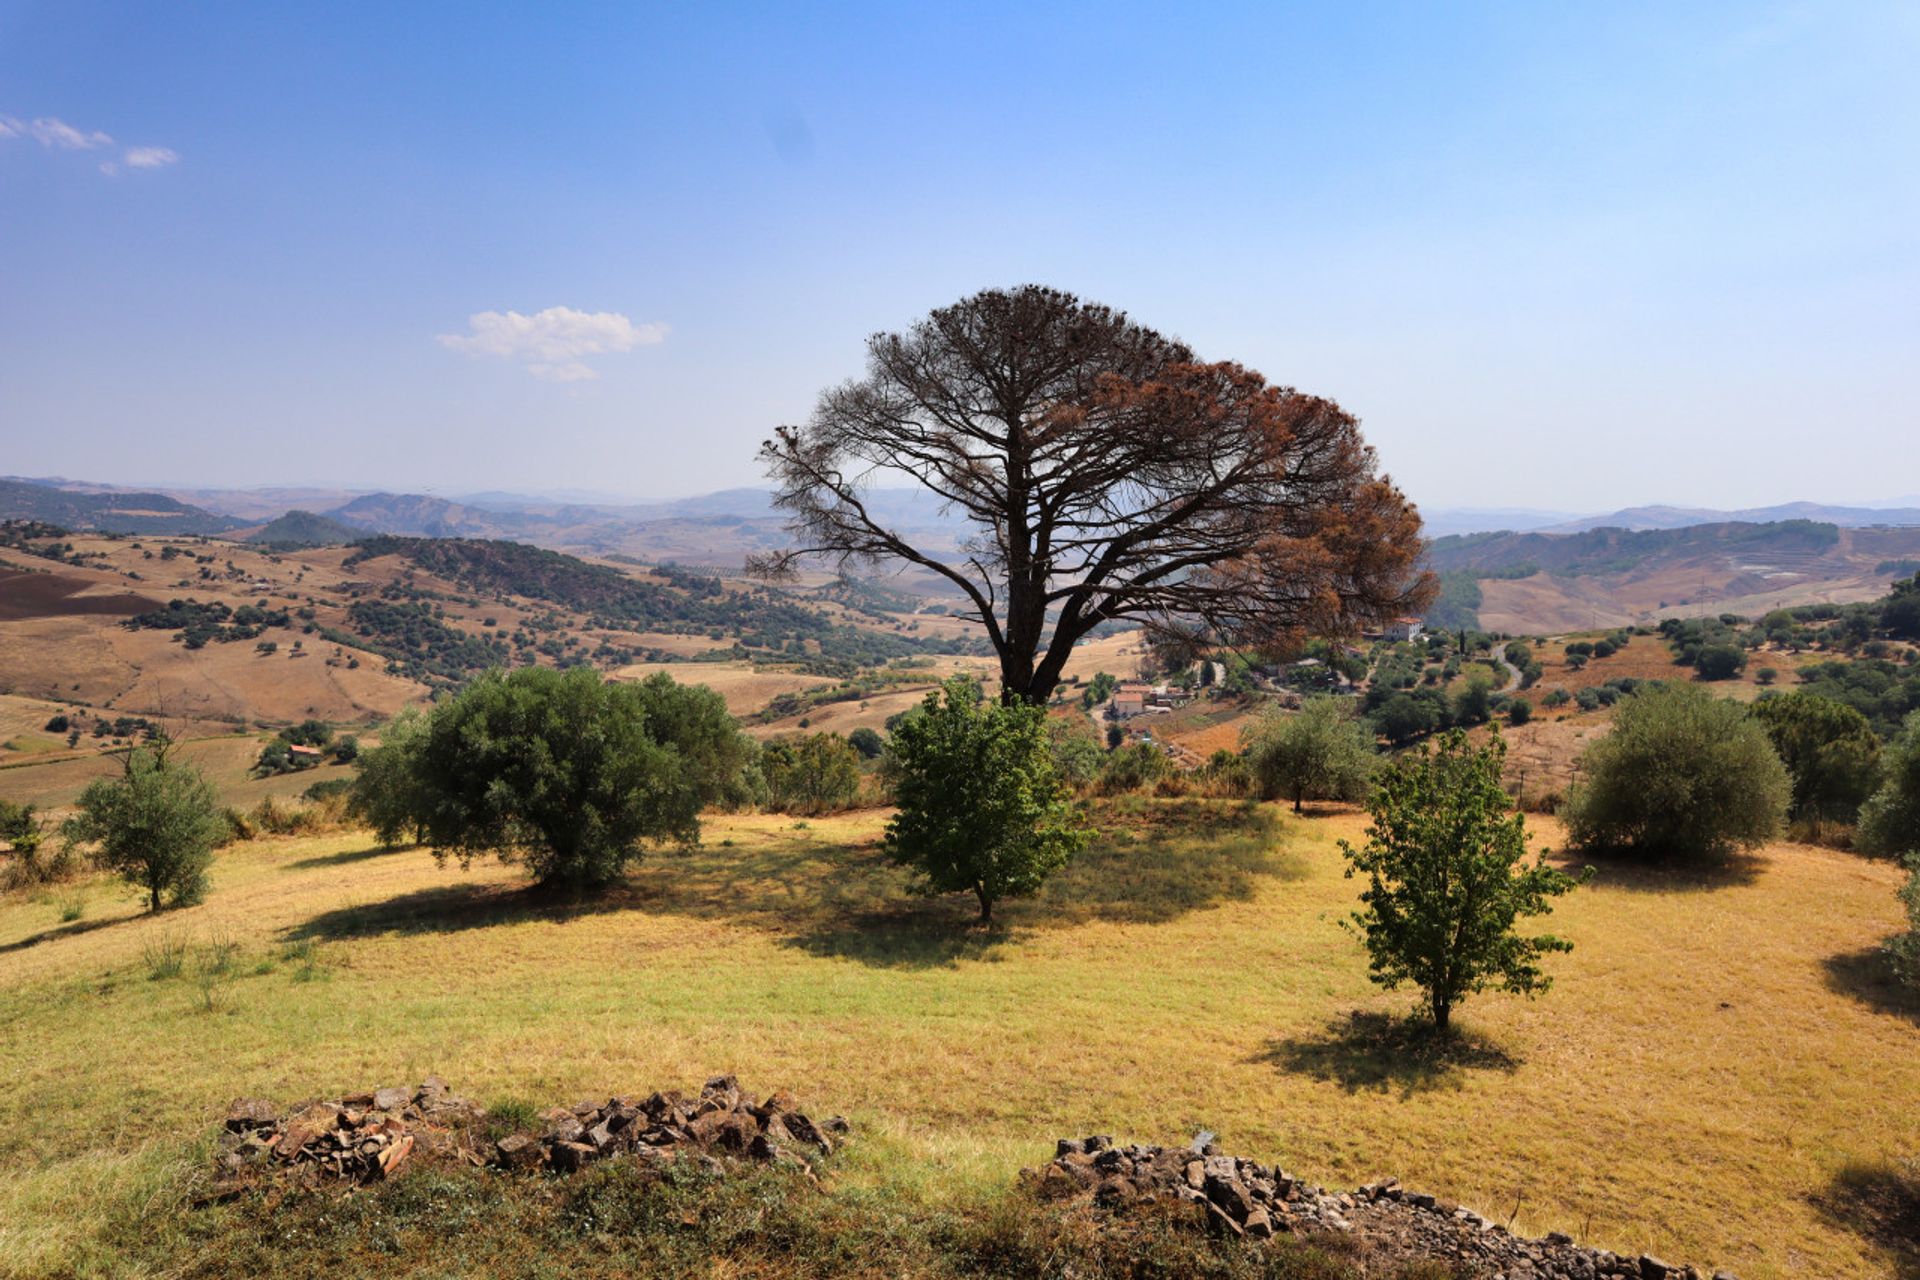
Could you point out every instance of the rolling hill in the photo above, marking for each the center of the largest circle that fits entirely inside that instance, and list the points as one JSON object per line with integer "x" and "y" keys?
{"x": 1539, "y": 582}
{"x": 115, "y": 512}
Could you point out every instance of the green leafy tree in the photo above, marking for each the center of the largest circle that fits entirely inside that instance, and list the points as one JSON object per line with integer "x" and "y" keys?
{"x": 156, "y": 824}
{"x": 1077, "y": 755}
{"x": 1474, "y": 703}
{"x": 867, "y": 742}
{"x": 558, "y": 770}
{"x": 20, "y": 829}
{"x": 1449, "y": 878}
{"x": 1402, "y": 718}
{"x": 1098, "y": 689}
{"x": 692, "y": 721}
{"x": 1900, "y": 611}
{"x": 981, "y": 807}
{"x": 1890, "y": 819}
{"x": 1830, "y": 750}
{"x": 1720, "y": 661}
{"x": 387, "y": 792}
{"x": 1519, "y": 711}
{"x": 812, "y": 774}
{"x": 1320, "y": 752}
{"x": 1683, "y": 775}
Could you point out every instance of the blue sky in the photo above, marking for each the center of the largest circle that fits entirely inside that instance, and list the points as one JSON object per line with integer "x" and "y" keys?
{"x": 1556, "y": 255}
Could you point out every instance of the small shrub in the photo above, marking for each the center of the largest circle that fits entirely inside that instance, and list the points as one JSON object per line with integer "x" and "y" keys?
{"x": 165, "y": 956}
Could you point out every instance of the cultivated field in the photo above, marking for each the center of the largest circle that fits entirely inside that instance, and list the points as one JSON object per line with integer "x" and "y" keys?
{"x": 1717, "y": 1051}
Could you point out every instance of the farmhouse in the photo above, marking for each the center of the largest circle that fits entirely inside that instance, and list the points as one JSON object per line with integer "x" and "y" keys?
{"x": 1402, "y": 629}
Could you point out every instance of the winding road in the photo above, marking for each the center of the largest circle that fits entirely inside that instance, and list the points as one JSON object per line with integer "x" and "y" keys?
{"x": 1513, "y": 672}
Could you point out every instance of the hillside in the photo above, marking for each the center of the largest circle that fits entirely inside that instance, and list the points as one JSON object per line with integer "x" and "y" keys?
{"x": 1537, "y": 582}
{"x": 302, "y": 529}
{"x": 210, "y": 636}
{"x": 109, "y": 512}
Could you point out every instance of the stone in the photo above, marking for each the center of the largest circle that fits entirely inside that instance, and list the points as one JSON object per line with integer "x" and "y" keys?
{"x": 805, "y": 1131}
{"x": 600, "y": 1137}
{"x": 518, "y": 1151}
{"x": 1114, "y": 1192}
{"x": 249, "y": 1113}
{"x": 1069, "y": 1146}
{"x": 569, "y": 1156}
{"x": 1651, "y": 1268}
{"x": 1258, "y": 1224}
{"x": 1230, "y": 1194}
{"x": 391, "y": 1099}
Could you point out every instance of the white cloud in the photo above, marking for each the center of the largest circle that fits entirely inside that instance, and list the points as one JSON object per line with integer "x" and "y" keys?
{"x": 51, "y": 132}
{"x": 552, "y": 343}
{"x": 57, "y": 134}
{"x": 150, "y": 157}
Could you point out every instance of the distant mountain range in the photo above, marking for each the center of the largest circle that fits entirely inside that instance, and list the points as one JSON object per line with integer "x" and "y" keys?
{"x": 715, "y": 528}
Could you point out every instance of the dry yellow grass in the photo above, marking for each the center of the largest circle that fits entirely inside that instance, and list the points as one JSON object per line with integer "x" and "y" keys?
{"x": 743, "y": 686}
{"x": 1712, "y": 1054}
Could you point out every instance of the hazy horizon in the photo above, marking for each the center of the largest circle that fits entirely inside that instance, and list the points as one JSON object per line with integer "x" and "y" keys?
{"x": 1571, "y": 259}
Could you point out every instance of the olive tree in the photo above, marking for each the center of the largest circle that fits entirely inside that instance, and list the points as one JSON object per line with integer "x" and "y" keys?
{"x": 1448, "y": 879}
{"x": 562, "y": 771}
{"x": 1682, "y": 775}
{"x": 1320, "y": 752}
{"x": 981, "y": 808}
{"x": 387, "y": 794}
{"x": 157, "y": 824}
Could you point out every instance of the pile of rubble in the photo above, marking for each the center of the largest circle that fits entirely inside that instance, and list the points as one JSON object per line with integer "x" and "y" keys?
{"x": 1244, "y": 1198}
{"x": 720, "y": 1121}
{"x": 369, "y": 1136}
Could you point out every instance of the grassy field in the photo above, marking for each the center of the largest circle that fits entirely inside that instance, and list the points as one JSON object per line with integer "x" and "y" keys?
{"x": 1715, "y": 1055}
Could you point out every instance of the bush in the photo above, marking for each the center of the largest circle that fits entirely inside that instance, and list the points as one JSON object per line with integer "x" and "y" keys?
{"x": 1519, "y": 711}
{"x": 1905, "y": 949}
{"x": 1720, "y": 661}
{"x": 981, "y": 807}
{"x": 1448, "y": 878}
{"x": 1077, "y": 757}
{"x": 1830, "y": 751}
{"x": 156, "y": 824}
{"x": 1683, "y": 775}
{"x": 867, "y": 742}
{"x": 1558, "y": 698}
{"x": 559, "y": 770}
{"x": 1890, "y": 819}
{"x": 1134, "y": 767}
{"x": 1320, "y": 752}
{"x": 811, "y": 775}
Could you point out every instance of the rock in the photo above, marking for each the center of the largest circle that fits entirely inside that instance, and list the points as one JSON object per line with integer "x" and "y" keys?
{"x": 1230, "y": 1194}
{"x": 1069, "y": 1146}
{"x": 249, "y": 1113}
{"x": 1258, "y": 1224}
{"x": 391, "y": 1099}
{"x": 518, "y": 1151}
{"x": 1220, "y": 1221}
{"x": 1651, "y": 1268}
{"x": 805, "y": 1131}
{"x": 569, "y": 1156}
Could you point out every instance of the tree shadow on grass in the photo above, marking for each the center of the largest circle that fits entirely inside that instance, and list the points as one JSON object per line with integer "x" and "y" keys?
{"x": 456, "y": 907}
{"x": 346, "y": 857}
{"x": 1372, "y": 1052}
{"x": 63, "y": 931}
{"x": 1867, "y": 975}
{"x": 1880, "y": 1202}
{"x": 1641, "y": 875}
{"x": 1152, "y": 863}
